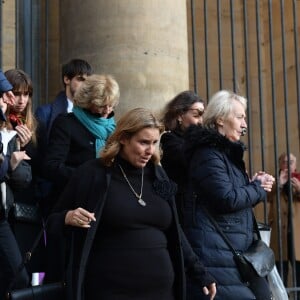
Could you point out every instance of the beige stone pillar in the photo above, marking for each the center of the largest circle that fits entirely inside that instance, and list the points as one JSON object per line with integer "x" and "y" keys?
{"x": 143, "y": 43}
{"x": 8, "y": 31}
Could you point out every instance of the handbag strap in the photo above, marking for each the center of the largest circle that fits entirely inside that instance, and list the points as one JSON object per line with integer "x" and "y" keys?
{"x": 28, "y": 255}
{"x": 220, "y": 231}
{"x": 225, "y": 238}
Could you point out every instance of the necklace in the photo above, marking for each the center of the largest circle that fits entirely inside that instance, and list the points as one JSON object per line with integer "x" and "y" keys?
{"x": 139, "y": 196}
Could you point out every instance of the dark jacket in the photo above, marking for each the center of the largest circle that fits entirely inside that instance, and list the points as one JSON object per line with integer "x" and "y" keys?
{"x": 90, "y": 192}
{"x": 47, "y": 113}
{"x": 5, "y": 86}
{"x": 11, "y": 257}
{"x": 174, "y": 163}
{"x": 70, "y": 145}
{"x": 15, "y": 180}
{"x": 219, "y": 182}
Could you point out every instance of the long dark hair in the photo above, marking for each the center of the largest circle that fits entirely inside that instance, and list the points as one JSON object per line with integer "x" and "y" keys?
{"x": 178, "y": 106}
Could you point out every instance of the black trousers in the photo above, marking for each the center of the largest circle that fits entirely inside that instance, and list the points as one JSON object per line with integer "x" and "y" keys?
{"x": 10, "y": 260}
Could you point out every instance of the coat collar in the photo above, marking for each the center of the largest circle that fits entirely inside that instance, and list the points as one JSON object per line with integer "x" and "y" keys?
{"x": 198, "y": 136}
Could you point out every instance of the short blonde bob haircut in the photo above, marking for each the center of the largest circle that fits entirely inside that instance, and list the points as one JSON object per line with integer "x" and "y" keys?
{"x": 220, "y": 106}
{"x": 98, "y": 90}
{"x": 130, "y": 124}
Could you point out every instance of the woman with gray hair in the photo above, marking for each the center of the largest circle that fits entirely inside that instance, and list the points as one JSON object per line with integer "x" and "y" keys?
{"x": 219, "y": 187}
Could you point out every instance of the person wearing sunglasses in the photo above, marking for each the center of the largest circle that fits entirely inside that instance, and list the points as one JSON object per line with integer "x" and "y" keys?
{"x": 182, "y": 111}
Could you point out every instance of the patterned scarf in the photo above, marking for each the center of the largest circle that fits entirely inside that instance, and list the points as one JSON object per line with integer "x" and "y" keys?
{"x": 16, "y": 119}
{"x": 100, "y": 127}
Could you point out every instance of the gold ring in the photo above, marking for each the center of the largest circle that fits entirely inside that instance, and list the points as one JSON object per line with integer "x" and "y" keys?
{"x": 80, "y": 222}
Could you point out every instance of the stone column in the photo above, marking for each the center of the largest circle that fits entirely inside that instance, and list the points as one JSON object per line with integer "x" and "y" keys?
{"x": 143, "y": 43}
{"x": 8, "y": 31}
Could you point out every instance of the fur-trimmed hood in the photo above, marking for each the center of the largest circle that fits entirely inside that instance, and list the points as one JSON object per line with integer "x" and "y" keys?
{"x": 198, "y": 136}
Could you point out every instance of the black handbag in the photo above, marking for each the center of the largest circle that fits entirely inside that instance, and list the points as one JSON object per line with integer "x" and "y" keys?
{"x": 258, "y": 260}
{"x": 253, "y": 264}
{"x": 49, "y": 291}
{"x": 29, "y": 213}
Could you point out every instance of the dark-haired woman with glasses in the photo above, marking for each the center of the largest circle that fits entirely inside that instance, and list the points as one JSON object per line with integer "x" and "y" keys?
{"x": 182, "y": 111}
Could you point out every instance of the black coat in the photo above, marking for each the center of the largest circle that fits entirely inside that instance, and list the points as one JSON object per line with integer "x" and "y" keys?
{"x": 174, "y": 163}
{"x": 219, "y": 182}
{"x": 173, "y": 159}
{"x": 87, "y": 189}
{"x": 70, "y": 145}
{"x": 45, "y": 115}
{"x": 15, "y": 180}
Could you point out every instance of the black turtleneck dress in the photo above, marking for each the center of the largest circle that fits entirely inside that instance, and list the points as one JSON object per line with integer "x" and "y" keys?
{"x": 129, "y": 259}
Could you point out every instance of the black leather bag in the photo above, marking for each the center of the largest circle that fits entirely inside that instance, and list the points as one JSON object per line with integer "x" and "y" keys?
{"x": 258, "y": 260}
{"x": 254, "y": 264}
{"x": 51, "y": 291}
{"x": 29, "y": 213}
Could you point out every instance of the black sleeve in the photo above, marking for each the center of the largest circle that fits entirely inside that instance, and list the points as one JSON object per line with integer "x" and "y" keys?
{"x": 55, "y": 167}
{"x": 193, "y": 266}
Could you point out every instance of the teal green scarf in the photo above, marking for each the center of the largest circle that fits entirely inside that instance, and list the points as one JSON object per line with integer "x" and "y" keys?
{"x": 101, "y": 128}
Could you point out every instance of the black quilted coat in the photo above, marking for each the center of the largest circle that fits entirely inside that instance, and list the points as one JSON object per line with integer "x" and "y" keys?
{"x": 219, "y": 182}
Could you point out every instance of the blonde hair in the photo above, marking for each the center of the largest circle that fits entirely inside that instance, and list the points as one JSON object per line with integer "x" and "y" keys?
{"x": 129, "y": 125}
{"x": 97, "y": 90}
{"x": 220, "y": 106}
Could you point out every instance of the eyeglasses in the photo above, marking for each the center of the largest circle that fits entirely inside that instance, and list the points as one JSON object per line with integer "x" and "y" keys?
{"x": 199, "y": 112}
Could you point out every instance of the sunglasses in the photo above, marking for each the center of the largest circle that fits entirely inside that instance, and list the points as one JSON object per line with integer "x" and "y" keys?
{"x": 199, "y": 112}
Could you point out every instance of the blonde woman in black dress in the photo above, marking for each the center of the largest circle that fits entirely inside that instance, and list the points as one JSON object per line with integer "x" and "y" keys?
{"x": 120, "y": 212}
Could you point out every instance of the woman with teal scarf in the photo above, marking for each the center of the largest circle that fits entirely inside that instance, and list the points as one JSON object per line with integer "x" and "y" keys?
{"x": 101, "y": 127}
{"x": 74, "y": 139}
{"x": 79, "y": 136}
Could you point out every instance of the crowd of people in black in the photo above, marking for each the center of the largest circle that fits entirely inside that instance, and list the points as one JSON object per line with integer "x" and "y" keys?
{"x": 124, "y": 204}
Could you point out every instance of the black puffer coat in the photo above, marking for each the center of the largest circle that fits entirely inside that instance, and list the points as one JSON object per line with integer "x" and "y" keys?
{"x": 219, "y": 182}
